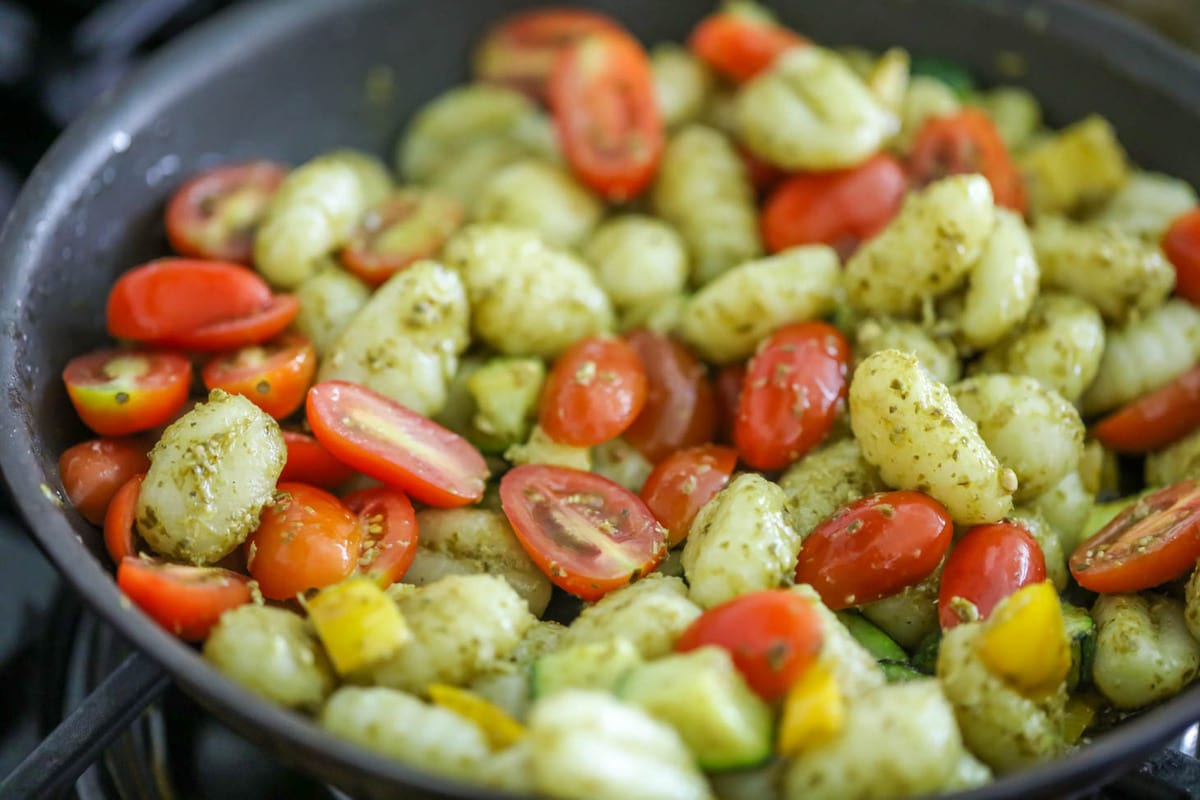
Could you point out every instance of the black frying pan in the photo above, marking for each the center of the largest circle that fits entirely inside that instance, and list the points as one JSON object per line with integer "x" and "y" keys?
{"x": 287, "y": 79}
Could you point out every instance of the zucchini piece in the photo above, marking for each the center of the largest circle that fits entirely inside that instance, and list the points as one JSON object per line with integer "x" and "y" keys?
{"x": 924, "y": 658}
{"x": 949, "y": 72}
{"x": 703, "y": 696}
{"x": 872, "y": 637}
{"x": 1081, "y": 632}
{"x": 899, "y": 671}
{"x": 592, "y": 665}
{"x": 505, "y": 391}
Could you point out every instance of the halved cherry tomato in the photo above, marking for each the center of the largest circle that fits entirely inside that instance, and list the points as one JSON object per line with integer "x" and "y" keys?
{"x": 408, "y": 226}
{"x": 1155, "y": 540}
{"x": 309, "y": 462}
{"x": 840, "y": 209}
{"x": 595, "y": 391}
{"x": 117, "y": 392}
{"x": 244, "y": 331}
{"x": 187, "y": 601}
{"x": 986, "y": 565}
{"x": 739, "y": 46}
{"x": 521, "y": 49}
{"x": 391, "y": 443}
{"x": 118, "y": 520}
{"x": 175, "y": 296}
{"x": 274, "y": 376}
{"x": 875, "y": 547}
{"x": 94, "y": 470}
{"x": 215, "y": 214}
{"x": 795, "y": 385}
{"x": 602, "y": 94}
{"x": 680, "y": 410}
{"x": 727, "y": 387}
{"x": 1154, "y": 420}
{"x": 763, "y": 176}
{"x": 772, "y": 636}
{"x": 685, "y": 481}
{"x": 305, "y": 540}
{"x": 963, "y": 142}
{"x": 389, "y": 526}
{"x": 587, "y": 533}
{"x": 1181, "y": 244}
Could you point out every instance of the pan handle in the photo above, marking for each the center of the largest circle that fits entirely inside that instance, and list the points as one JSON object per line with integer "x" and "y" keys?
{"x": 80, "y": 738}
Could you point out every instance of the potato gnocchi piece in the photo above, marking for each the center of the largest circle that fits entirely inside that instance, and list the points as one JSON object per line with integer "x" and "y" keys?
{"x": 910, "y": 616}
{"x": 1003, "y": 284}
{"x": 1082, "y": 165}
{"x": 852, "y": 665}
{"x": 1175, "y": 462}
{"x": 730, "y": 316}
{"x": 924, "y": 99}
{"x": 541, "y": 197}
{"x": 825, "y": 480}
{"x": 888, "y": 79}
{"x": 527, "y": 298}
{"x": 1144, "y": 650}
{"x": 809, "y": 111}
{"x": 1015, "y": 111}
{"x": 661, "y": 315}
{"x": 509, "y": 770}
{"x": 1048, "y": 542}
{"x": 682, "y": 83}
{"x": 1147, "y": 205}
{"x": 1066, "y": 508}
{"x": 473, "y": 166}
{"x": 926, "y": 250}
{"x": 702, "y": 189}
{"x": 936, "y": 354}
{"x": 637, "y": 259}
{"x": 910, "y": 427}
{"x": 541, "y": 449}
{"x": 622, "y": 463}
{"x": 211, "y": 474}
{"x": 651, "y": 613}
{"x": 329, "y": 300}
{"x": 1191, "y": 611}
{"x": 373, "y": 176}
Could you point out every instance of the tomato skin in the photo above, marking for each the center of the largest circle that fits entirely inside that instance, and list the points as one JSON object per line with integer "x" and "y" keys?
{"x": 986, "y": 565}
{"x": 840, "y": 209}
{"x": 433, "y": 216}
{"x": 595, "y": 391}
{"x": 306, "y": 540}
{"x": 588, "y": 534}
{"x": 94, "y": 470}
{"x": 739, "y": 47}
{"x": 1181, "y": 245}
{"x": 794, "y": 387}
{"x": 389, "y": 526}
{"x": 214, "y": 214}
{"x": 309, "y": 462}
{"x": 601, "y": 92}
{"x": 680, "y": 410}
{"x": 230, "y": 334}
{"x": 683, "y": 482}
{"x": 119, "y": 517}
{"x": 274, "y": 377}
{"x": 1154, "y": 420}
{"x": 187, "y": 601}
{"x": 728, "y": 389}
{"x": 772, "y": 636}
{"x": 1153, "y": 541}
{"x": 430, "y": 463}
{"x": 117, "y": 392}
{"x": 963, "y": 142}
{"x": 875, "y": 547}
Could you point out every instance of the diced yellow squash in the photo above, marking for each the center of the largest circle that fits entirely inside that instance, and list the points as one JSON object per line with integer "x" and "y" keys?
{"x": 1079, "y": 715}
{"x": 358, "y": 624}
{"x": 500, "y": 729}
{"x": 813, "y": 712}
{"x": 1025, "y": 643}
{"x": 1082, "y": 165}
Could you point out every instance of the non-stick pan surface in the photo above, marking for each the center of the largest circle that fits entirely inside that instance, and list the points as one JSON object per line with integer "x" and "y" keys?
{"x": 290, "y": 78}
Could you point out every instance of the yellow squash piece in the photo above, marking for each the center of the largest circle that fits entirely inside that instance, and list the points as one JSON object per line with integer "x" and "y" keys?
{"x": 1025, "y": 641}
{"x": 813, "y": 712}
{"x": 1079, "y": 715}
{"x": 500, "y": 729}
{"x": 357, "y": 623}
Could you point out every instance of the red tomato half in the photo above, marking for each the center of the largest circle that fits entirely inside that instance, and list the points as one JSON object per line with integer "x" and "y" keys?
{"x": 117, "y": 392}
{"x": 94, "y": 470}
{"x": 1155, "y": 540}
{"x": 118, "y": 520}
{"x": 215, "y": 214}
{"x": 594, "y": 392}
{"x": 964, "y": 142}
{"x": 875, "y": 547}
{"x": 772, "y": 636}
{"x": 396, "y": 445}
{"x": 986, "y": 565}
{"x": 408, "y": 226}
{"x": 1181, "y": 244}
{"x": 1154, "y": 420}
{"x": 840, "y": 209}
{"x": 309, "y": 462}
{"x": 795, "y": 385}
{"x": 244, "y": 331}
{"x": 274, "y": 376}
{"x": 683, "y": 482}
{"x": 680, "y": 410}
{"x": 602, "y": 94}
{"x": 187, "y": 601}
{"x": 728, "y": 390}
{"x": 740, "y": 46}
{"x": 389, "y": 526}
{"x": 587, "y": 533}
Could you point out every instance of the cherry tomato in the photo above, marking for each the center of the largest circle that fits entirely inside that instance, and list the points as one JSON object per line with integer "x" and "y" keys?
{"x": 685, "y": 481}
{"x": 794, "y": 387}
{"x": 408, "y": 226}
{"x": 740, "y": 46}
{"x": 175, "y": 296}
{"x": 728, "y": 389}
{"x": 602, "y": 94}
{"x": 772, "y": 636}
{"x": 389, "y": 526}
{"x": 840, "y": 209}
{"x": 187, "y": 601}
{"x": 595, "y": 391}
{"x": 306, "y": 540}
{"x": 391, "y": 443}
{"x": 274, "y": 376}
{"x": 964, "y": 142}
{"x": 94, "y": 470}
{"x": 1154, "y": 540}
{"x": 986, "y": 565}
{"x": 1154, "y": 420}
{"x": 215, "y": 214}
{"x": 1181, "y": 244}
{"x": 587, "y": 533}
{"x": 118, "y": 520}
{"x": 309, "y": 462}
{"x": 520, "y": 51}
{"x": 117, "y": 392}
{"x": 680, "y": 410}
{"x": 875, "y": 547}
{"x": 244, "y": 331}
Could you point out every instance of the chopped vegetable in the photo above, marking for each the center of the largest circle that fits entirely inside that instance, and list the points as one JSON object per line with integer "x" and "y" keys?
{"x": 358, "y": 624}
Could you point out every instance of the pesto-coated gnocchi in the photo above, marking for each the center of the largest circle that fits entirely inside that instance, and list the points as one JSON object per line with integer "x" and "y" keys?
{"x": 924, "y": 99}
{"x": 682, "y": 83}
{"x": 909, "y": 616}
{"x": 1080, "y": 166}
{"x": 651, "y": 614}
{"x": 373, "y": 176}
{"x": 936, "y": 353}
{"x": 540, "y": 197}
{"x": 825, "y": 480}
{"x": 1015, "y": 111}
{"x": 1175, "y": 462}
{"x": 1003, "y": 284}
{"x": 638, "y": 259}
{"x": 1066, "y": 508}
{"x": 1144, "y": 650}
{"x": 1147, "y": 205}
{"x": 329, "y": 300}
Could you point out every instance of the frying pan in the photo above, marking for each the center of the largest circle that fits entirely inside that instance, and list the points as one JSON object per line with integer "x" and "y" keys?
{"x": 287, "y": 79}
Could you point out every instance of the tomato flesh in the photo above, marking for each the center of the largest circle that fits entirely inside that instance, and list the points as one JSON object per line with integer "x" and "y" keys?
{"x": 588, "y": 534}
{"x": 309, "y": 462}
{"x": 680, "y": 410}
{"x": 215, "y": 214}
{"x": 727, "y": 387}
{"x": 595, "y": 391}
{"x": 683, "y": 482}
{"x": 118, "y": 520}
{"x": 966, "y": 142}
{"x": 1154, "y": 420}
{"x": 1181, "y": 245}
{"x": 187, "y": 601}
{"x": 230, "y": 334}
{"x": 986, "y": 565}
{"x": 94, "y": 470}
{"x": 274, "y": 376}
{"x": 408, "y": 226}
{"x": 740, "y": 47}
{"x": 118, "y": 392}
{"x": 389, "y": 526}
